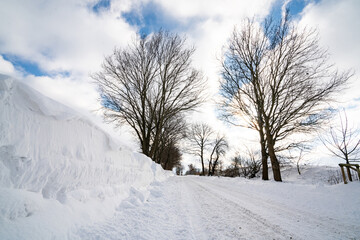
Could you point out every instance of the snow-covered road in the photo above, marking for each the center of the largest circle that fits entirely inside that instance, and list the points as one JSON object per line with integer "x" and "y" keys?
{"x": 219, "y": 208}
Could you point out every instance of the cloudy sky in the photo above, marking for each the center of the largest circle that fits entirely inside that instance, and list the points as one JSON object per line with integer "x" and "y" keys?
{"x": 55, "y": 45}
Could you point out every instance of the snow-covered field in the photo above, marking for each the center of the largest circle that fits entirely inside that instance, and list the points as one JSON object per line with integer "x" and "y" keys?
{"x": 62, "y": 177}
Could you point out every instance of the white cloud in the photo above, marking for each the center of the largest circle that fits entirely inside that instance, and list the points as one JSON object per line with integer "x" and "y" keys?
{"x": 339, "y": 26}
{"x": 202, "y": 9}
{"x": 61, "y": 35}
{"x": 6, "y": 67}
{"x": 338, "y": 23}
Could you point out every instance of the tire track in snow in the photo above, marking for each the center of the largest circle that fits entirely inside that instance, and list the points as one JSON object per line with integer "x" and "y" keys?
{"x": 225, "y": 219}
{"x": 197, "y": 208}
{"x": 305, "y": 224}
{"x": 190, "y": 205}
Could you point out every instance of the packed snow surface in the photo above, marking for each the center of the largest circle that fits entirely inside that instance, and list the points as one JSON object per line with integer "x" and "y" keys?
{"x": 61, "y": 177}
{"x": 223, "y": 208}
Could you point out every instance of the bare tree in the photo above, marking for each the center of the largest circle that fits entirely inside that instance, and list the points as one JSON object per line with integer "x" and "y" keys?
{"x": 219, "y": 147}
{"x": 277, "y": 78}
{"x": 202, "y": 141}
{"x": 343, "y": 141}
{"x": 199, "y": 137}
{"x": 148, "y": 84}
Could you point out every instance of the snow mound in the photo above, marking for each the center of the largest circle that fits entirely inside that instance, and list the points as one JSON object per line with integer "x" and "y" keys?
{"x": 50, "y": 150}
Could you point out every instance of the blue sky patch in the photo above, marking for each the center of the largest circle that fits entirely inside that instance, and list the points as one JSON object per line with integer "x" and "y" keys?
{"x": 24, "y": 65}
{"x": 30, "y": 67}
{"x": 149, "y": 18}
{"x": 295, "y": 8}
{"x": 101, "y": 5}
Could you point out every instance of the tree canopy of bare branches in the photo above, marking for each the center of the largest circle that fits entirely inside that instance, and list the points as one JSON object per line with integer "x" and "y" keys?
{"x": 199, "y": 137}
{"x": 277, "y": 78}
{"x": 343, "y": 141}
{"x": 202, "y": 140}
{"x": 148, "y": 85}
{"x": 219, "y": 147}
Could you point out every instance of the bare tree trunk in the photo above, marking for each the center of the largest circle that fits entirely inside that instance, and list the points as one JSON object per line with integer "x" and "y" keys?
{"x": 214, "y": 166}
{"x": 273, "y": 159}
{"x": 203, "y": 167}
{"x": 167, "y": 159}
{"x": 275, "y": 165}
{"x": 347, "y": 168}
{"x": 209, "y": 173}
{"x": 202, "y": 162}
{"x": 146, "y": 148}
{"x": 264, "y": 156}
{"x": 298, "y": 168}
{"x": 264, "y": 161}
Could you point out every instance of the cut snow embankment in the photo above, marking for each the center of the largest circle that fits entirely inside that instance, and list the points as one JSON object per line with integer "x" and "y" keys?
{"x": 57, "y": 169}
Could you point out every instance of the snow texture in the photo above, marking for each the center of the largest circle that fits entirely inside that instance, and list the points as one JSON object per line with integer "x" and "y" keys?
{"x": 234, "y": 208}
{"x": 53, "y": 160}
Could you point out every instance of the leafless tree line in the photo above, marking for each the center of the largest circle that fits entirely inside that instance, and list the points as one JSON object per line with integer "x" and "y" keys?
{"x": 275, "y": 79}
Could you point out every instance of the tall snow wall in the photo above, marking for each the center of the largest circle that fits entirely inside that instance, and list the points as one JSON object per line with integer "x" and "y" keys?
{"x": 48, "y": 148}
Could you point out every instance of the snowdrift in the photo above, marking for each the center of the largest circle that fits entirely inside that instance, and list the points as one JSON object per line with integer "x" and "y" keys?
{"x": 50, "y": 153}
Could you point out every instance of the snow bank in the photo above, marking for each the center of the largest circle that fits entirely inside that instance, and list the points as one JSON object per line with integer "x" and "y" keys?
{"x": 310, "y": 174}
{"x": 53, "y": 160}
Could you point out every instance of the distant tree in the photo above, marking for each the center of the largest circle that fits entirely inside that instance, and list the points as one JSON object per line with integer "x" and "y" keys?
{"x": 200, "y": 137}
{"x": 245, "y": 165}
{"x": 298, "y": 156}
{"x": 249, "y": 164}
{"x": 202, "y": 141}
{"x": 343, "y": 141}
{"x": 233, "y": 170}
{"x": 149, "y": 84}
{"x": 179, "y": 170}
{"x": 298, "y": 161}
{"x": 276, "y": 77}
{"x": 219, "y": 168}
{"x": 219, "y": 147}
{"x": 192, "y": 170}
